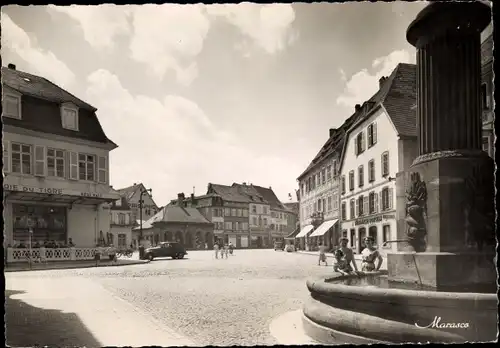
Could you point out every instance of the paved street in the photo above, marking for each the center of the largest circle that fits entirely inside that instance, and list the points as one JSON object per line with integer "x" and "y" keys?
{"x": 199, "y": 300}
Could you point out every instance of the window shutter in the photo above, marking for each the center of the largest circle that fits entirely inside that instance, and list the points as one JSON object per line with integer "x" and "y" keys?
{"x": 381, "y": 200}
{"x": 39, "y": 161}
{"x": 356, "y": 146}
{"x": 366, "y": 208}
{"x": 363, "y": 145}
{"x": 101, "y": 169}
{"x": 375, "y": 202}
{"x": 73, "y": 165}
{"x": 127, "y": 219}
{"x": 387, "y": 163}
{"x": 356, "y": 208}
{"x": 382, "y": 165}
{"x": 374, "y": 132}
{"x": 390, "y": 205}
{"x": 6, "y": 156}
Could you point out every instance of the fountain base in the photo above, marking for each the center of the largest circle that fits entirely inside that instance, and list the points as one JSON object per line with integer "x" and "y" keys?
{"x": 351, "y": 309}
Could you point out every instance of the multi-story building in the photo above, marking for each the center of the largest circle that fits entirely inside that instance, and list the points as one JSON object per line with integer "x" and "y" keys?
{"x": 235, "y": 215}
{"x": 132, "y": 195}
{"x": 487, "y": 92}
{"x": 55, "y": 164}
{"x": 380, "y": 144}
{"x": 293, "y": 222}
{"x": 319, "y": 193}
{"x": 181, "y": 222}
{"x": 120, "y": 234}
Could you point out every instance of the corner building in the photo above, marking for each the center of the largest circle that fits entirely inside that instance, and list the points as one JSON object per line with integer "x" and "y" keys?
{"x": 56, "y": 164}
{"x": 379, "y": 145}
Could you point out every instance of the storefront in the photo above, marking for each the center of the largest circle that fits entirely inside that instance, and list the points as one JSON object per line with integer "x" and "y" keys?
{"x": 56, "y": 215}
{"x": 325, "y": 234}
{"x": 244, "y": 241}
{"x": 382, "y": 227}
{"x": 302, "y": 236}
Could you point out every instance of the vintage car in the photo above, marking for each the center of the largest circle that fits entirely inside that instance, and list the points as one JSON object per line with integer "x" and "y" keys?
{"x": 279, "y": 246}
{"x": 174, "y": 250}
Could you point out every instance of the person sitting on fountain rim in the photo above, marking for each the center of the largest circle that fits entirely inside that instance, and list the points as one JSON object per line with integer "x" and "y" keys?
{"x": 369, "y": 255}
{"x": 343, "y": 258}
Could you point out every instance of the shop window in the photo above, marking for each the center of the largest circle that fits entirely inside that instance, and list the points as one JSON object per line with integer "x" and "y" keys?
{"x": 49, "y": 223}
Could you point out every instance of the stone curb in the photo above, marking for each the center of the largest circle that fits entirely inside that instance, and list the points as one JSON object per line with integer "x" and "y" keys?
{"x": 51, "y": 267}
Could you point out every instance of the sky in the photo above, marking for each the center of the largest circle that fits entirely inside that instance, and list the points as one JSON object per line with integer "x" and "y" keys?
{"x": 198, "y": 94}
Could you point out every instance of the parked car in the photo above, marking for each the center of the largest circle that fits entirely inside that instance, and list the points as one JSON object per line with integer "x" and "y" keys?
{"x": 174, "y": 250}
{"x": 279, "y": 246}
{"x": 290, "y": 248}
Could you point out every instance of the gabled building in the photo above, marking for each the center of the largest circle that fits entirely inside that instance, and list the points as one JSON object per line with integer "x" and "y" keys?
{"x": 181, "y": 223}
{"x": 120, "y": 234}
{"x": 56, "y": 164}
{"x": 235, "y": 215}
{"x": 132, "y": 195}
{"x": 381, "y": 143}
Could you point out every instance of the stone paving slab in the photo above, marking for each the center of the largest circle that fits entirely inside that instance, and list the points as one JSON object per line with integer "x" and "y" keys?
{"x": 111, "y": 320}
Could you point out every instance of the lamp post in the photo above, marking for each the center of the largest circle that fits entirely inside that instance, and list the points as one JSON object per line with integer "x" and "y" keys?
{"x": 140, "y": 212}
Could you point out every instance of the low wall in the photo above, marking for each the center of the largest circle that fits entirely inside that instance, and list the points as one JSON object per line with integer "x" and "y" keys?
{"x": 396, "y": 315}
{"x": 20, "y": 255}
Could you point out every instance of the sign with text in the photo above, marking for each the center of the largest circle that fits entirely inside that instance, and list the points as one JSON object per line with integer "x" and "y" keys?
{"x": 144, "y": 206}
{"x": 54, "y": 191}
{"x": 374, "y": 219}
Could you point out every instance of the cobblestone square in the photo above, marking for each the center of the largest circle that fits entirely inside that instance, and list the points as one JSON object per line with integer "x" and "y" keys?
{"x": 199, "y": 300}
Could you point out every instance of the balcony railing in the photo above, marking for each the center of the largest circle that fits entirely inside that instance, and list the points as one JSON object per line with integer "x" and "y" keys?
{"x": 50, "y": 254}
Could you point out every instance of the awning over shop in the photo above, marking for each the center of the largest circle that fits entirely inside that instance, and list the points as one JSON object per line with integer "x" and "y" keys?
{"x": 305, "y": 231}
{"x": 323, "y": 228}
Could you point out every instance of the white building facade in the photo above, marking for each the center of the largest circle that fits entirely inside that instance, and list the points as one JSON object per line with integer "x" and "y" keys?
{"x": 368, "y": 181}
{"x": 56, "y": 168}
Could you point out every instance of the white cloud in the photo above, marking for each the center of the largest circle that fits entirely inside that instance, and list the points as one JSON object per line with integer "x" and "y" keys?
{"x": 44, "y": 63}
{"x": 100, "y": 24}
{"x": 362, "y": 85}
{"x": 267, "y": 25}
{"x": 172, "y": 145}
{"x": 166, "y": 35}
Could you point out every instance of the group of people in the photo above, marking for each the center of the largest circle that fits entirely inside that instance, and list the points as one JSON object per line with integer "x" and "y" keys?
{"x": 344, "y": 257}
{"x": 224, "y": 249}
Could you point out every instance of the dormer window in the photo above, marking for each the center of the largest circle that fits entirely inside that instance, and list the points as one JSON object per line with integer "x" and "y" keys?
{"x": 118, "y": 203}
{"x": 69, "y": 117}
{"x": 11, "y": 105}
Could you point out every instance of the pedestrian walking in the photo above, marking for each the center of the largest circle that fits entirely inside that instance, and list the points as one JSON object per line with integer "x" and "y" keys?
{"x": 322, "y": 254}
{"x": 216, "y": 248}
{"x": 226, "y": 250}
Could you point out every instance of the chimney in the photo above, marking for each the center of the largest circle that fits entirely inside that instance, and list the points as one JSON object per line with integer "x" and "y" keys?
{"x": 135, "y": 183}
{"x": 12, "y": 66}
{"x": 357, "y": 107}
{"x": 180, "y": 199}
{"x": 381, "y": 81}
{"x": 332, "y": 131}
{"x": 192, "y": 197}
{"x": 270, "y": 188}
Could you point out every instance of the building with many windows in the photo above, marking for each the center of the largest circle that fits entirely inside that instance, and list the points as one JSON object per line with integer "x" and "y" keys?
{"x": 132, "y": 195}
{"x": 380, "y": 144}
{"x": 55, "y": 165}
{"x": 319, "y": 193}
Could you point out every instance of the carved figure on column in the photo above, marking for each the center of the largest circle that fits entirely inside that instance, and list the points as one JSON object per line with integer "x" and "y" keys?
{"x": 479, "y": 205}
{"x": 416, "y": 206}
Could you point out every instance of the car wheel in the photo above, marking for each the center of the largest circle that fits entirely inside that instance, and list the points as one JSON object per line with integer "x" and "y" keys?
{"x": 180, "y": 256}
{"x": 150, "y": 257}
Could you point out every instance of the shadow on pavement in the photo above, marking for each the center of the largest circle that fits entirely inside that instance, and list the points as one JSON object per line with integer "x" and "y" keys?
{"x": 28, "y": 326}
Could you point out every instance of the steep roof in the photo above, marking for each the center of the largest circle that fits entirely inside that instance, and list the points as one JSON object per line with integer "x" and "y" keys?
{"x": 269, "y": 196}
{"x": 40, "y": 87}
{"x": 129, "y": 191}
{"x": 46, "y": 119}
{"x": 227, "y": 193}
{"x": 172, "y": 213}
{"x": 292, "y": 206}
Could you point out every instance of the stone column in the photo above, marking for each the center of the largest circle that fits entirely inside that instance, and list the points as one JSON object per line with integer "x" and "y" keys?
{"x": 449, "y": 190}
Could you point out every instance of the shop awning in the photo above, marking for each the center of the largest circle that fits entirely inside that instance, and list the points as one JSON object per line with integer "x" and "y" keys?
{"x": 323, "y": 228}
{"x": 305, "y": 231}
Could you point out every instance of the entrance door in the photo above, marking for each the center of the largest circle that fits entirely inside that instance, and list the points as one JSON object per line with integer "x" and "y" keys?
{"x": 372, "y": 232}
{"x": 361, "y": 242}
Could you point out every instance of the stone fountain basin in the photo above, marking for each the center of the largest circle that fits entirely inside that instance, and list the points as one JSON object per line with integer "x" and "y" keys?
{"x": 339, "y": 313}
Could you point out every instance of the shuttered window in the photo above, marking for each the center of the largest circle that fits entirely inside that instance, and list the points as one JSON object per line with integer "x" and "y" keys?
{"x": 6, "y": 156}
{"x": 39, "y": 161}
{"x": 73, "y": 165}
